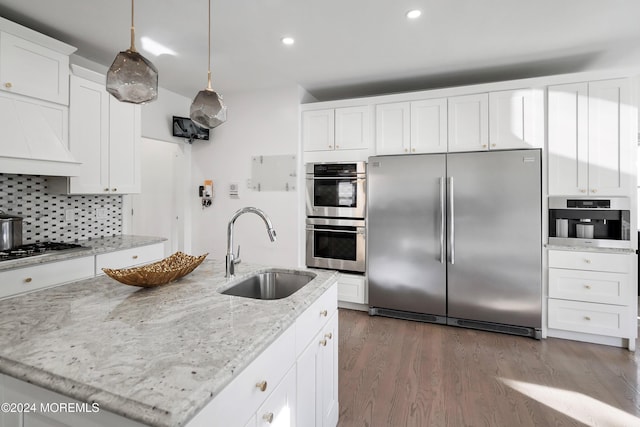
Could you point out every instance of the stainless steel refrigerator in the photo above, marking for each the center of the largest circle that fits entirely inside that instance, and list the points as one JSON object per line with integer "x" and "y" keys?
{"x": 456, "y": 238}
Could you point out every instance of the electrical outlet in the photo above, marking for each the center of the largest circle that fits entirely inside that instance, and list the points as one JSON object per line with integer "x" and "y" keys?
{"x": 102, "y": 213}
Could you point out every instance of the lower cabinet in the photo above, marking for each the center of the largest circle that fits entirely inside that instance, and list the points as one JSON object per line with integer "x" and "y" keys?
{"x": 353, "y": 288}
{"x": 129, "y": 257}
{"x": 590, "y": 296}
{"x": 27, "y": 279}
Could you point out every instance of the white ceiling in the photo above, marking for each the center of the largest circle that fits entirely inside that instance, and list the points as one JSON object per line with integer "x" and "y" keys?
{"x": 348, "y": 48}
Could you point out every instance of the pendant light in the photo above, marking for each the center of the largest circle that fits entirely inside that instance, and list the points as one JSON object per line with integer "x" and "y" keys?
{"x": 132, "y": 78}
{"x": 207, "y": 109}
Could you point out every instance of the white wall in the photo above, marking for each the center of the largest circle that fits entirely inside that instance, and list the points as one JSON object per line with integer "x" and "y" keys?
{"x": 263, "y": 122}
{"x": 157, "y": 115}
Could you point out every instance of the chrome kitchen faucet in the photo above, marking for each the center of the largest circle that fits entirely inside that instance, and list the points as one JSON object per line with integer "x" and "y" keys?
{"x": 231, "y": 259}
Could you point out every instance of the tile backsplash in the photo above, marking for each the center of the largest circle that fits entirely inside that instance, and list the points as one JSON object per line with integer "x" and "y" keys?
{"x": 55, "y": 217}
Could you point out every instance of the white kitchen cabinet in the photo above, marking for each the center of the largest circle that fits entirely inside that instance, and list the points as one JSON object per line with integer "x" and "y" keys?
{"x": 345, "y": 128}
{"x": 352, "y": 288}
{"x": 514, "y": 118}
{"x": 129, "y": 257}
{"x": 412, "y": 127}
{"x": 279, "y": 409}
{"x": 28, "y": 279}
{"x": 468, "y": 122}
{"x": 590, "y": 139}
{"x": 105, "y": 136}
{"x": 30, "y": 69}
{"x": 317, "y": 382}
{"x": 590, "y": 294}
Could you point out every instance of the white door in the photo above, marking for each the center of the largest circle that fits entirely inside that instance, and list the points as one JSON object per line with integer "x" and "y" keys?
{"x": 124, "y": 147}
{"x": 352, "y": 127}
{"x": 429, "y": 126}
{"x": 392, "y": 128}
{"x": 318, "y": 130}
{"x": 155, "y": 209}
{"x": 468, "y": 121}
{"x": 511, "y": 119}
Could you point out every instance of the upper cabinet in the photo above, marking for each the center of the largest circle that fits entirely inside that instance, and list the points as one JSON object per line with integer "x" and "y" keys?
{"x": 514, "y": 119}
{"x": 32, "y": 68}
{"x": 590, "y": 138}
{"x": 469, "y": 122}
{"x": 336, "y": 129}
{"x": 105, "y": 136}
{"x": 412, "y": 127}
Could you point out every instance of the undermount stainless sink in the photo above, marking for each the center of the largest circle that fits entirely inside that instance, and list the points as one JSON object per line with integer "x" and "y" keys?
{"x": 271, "y": 284}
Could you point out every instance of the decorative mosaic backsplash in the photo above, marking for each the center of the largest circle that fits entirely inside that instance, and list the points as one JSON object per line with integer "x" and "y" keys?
{"x": 55, "y": 217}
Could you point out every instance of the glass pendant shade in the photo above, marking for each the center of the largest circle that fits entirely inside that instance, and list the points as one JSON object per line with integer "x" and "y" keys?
{"x": 132, "y": 78}
{"x": 208, "y": 110}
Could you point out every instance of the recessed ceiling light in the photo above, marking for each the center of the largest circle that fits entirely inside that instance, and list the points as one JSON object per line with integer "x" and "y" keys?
{"x": 288, "y": 41}
{"x": 155, "y": 48}
{"x": 413, "y": 14}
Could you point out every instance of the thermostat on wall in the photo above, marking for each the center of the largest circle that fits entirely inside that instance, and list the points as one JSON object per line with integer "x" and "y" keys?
{"x": 234, "y": 188}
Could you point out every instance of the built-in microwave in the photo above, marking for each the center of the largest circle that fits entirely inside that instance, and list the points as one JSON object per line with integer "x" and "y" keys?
{"x": 336, "y": 189}
{"x": 596, "y": 222}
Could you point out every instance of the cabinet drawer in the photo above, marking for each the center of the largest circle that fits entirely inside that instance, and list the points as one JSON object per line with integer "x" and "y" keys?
{"x": 129, "y": 257}
{"x": 592, "y": 261}
{"x": 315, "y": 317}
{"x": 590, "y": 318}
{"x": 239, "y": 400}
{"x": 28, "y": 279}
{"x": 352, "y": 288}
{"x": 591, "y": 286}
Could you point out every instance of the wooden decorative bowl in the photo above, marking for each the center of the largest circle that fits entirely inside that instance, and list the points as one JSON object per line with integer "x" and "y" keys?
{"x": 157, "y": 273}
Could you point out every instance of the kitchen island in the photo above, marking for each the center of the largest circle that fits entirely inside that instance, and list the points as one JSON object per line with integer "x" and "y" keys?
{"x": 157, "y": 356}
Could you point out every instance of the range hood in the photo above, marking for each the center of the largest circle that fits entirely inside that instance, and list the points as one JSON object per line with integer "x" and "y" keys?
{"x": 34, "y": 138}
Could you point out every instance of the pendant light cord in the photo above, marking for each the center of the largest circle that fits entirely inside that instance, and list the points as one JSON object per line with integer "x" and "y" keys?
{"x": 209, "y": 64}
{"x": 133, "y": 32}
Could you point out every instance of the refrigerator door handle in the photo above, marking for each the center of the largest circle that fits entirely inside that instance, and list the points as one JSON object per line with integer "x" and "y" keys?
{"x": 452, "y": 251}
{"x": 442, "y": 219}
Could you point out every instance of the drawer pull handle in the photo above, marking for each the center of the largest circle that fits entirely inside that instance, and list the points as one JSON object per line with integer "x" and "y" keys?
{"x": 329, "y": 335}
{"x": 582, "y": 190}
{"x": 484, "y": 145}
{"x": 114, "y": 189}
{"x": 324, "y": 313}
{"x": 323, "y": 343}
{"x": 587, "y": 286}
{"x": 135, "y": 257}
{"x": 106, "y": 189}
{"x": 493, "y": 145}
{"x": 587, "y": 318}
{"x": 262, "y": 385}
{"x": 28, "y": 280}
{"x": 8, "y": 85}
{"x": 594, "y": 191}
{"x": 268, "y": 417}
{"x": 588, "y": 261}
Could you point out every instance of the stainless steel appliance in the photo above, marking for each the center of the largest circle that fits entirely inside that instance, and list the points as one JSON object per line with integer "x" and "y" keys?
{"x": 37, "y": 249}
{"x": 602, "y": 222}
{"x": 457, "y": 239}
{"x": 336, "y": 243}
{"x": 10, "y": 231}
{"x": 336, "y": 189}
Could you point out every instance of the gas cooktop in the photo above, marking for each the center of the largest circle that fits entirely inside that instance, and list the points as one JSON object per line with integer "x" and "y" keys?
{"x": 35, "y": 249}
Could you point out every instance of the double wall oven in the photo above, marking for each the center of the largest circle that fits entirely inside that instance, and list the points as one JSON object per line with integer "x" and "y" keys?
{"x": 336, "y": 208}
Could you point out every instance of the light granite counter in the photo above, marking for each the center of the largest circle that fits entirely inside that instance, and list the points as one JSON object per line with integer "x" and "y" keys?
{"x": 155, "y": 355}
{"x": 590, "y": 249}
{"x": 90, "y": 247}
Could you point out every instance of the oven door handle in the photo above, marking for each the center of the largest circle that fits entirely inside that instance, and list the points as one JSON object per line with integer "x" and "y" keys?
{"x": 337, "y": 178}
{"x": 335, "y": 231}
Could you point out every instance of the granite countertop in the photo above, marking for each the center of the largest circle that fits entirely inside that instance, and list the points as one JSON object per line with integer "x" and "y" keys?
{"x": 154, "y": 355}
{"x": 590, "y": 249}
{"x": 90, "y": 247}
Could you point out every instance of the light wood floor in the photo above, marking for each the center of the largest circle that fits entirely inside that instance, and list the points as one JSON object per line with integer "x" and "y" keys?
{"x": 402, "y": 373}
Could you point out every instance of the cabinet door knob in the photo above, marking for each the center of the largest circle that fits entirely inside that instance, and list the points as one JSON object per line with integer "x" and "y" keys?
{"x": 262, "y": 385}
{"x": 587, "y": 286}
{"x": 28, "y": 280}
{"x": 493, "y": 145}
{"x": 406, "y": 150}
{"x": 588, "y": 261}
{"x": 268, "y": 417}
{"x": 323, "y": 343}
{"x": 594, "y": 191}
{"x": 582, "y": 190}
{"x": 106, "y": 189}
{"x": 413, "y": 150}
{"x": 337, "y": 146}
{"x": 484, "y": 145}
{"x": 329, "y": 335}
{"x": 587, "y": 318}
{"x": 8, "y": 85}
{"x": 323, "y": 313}
{"x": 114, "y": 189}
{"x": 135, "y": 257}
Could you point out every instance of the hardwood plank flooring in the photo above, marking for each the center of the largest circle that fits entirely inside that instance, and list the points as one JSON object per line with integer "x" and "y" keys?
{"x": 402, "y": 373}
